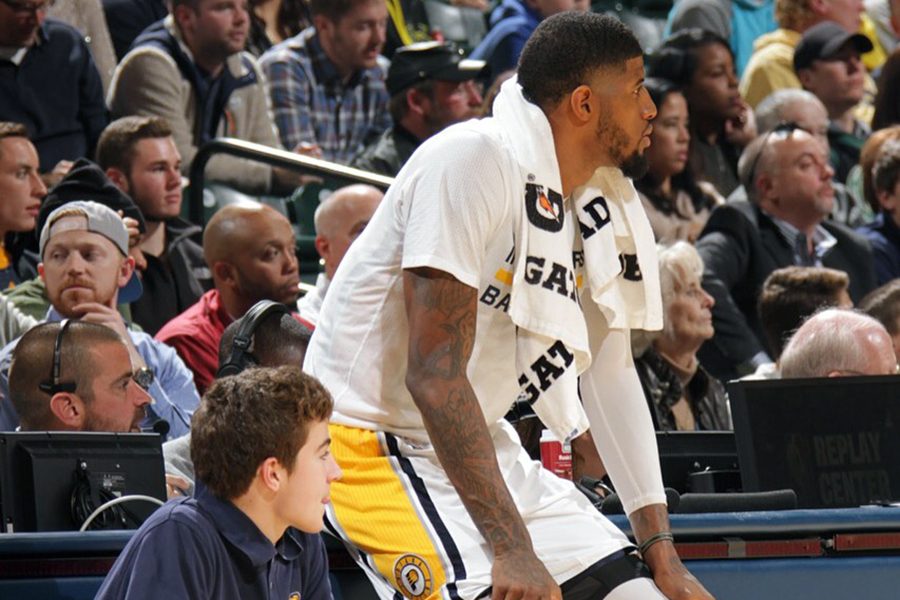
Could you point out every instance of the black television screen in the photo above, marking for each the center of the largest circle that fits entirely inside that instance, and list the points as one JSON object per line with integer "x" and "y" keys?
{"x": 698, "y": 461}
{"x": 834, "y": 441}
{"x": 51, "y": 481}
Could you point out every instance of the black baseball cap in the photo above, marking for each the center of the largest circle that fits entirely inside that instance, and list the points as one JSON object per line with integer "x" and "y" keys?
{"x": 823, "y": 41}
{"x": 430, "y": 60}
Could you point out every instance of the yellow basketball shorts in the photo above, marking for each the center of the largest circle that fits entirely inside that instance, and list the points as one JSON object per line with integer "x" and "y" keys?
{"x": 407, "y": 528}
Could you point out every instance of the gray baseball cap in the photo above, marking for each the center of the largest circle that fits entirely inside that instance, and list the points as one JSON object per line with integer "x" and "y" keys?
{"x": 99, "y": 219}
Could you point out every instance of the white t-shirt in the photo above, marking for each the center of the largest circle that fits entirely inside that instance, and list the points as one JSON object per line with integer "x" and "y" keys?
{"x": 310, "y": 304}
{"x": 451, "y": 208}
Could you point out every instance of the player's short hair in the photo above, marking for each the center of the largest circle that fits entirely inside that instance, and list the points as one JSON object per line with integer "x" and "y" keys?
{"x": 567, "y": 48}
{"x": 247, "y": 418}
{"x": 116, "y": 146}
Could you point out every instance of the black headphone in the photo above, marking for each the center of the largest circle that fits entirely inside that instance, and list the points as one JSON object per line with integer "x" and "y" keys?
{"x": 54, "y": 385}
{"x": 239, "y": 358}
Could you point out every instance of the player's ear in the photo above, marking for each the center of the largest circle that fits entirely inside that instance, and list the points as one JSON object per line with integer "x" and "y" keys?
{"x": 581, "y": 102}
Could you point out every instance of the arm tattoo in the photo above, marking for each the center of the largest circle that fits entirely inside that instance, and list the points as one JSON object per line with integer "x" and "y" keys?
{"x": 441, "y": 313}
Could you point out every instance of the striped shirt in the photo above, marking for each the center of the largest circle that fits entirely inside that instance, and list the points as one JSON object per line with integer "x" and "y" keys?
{"x": 311, "y": 103}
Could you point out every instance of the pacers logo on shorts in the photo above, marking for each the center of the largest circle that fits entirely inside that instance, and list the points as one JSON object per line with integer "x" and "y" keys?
{"x": 413, "y": 576}
{"x": 294, "y": 596}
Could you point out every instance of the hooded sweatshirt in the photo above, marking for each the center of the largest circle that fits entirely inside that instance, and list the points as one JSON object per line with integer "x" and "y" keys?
{"x": 771, "y": 67}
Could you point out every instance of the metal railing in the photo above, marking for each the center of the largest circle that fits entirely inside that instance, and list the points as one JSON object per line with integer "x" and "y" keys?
{"x": 271, "y": 156}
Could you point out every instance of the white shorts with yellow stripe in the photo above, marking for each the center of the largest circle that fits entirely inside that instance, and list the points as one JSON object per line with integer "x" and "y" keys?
{"x": 412, "y": 535}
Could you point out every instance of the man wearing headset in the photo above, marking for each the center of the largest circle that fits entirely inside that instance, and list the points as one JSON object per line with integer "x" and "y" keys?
{"x": 268, "y": 335}
{"x": 76, "y": 376}
{"x": 250, "y": 252}
{"x": 87, "y": 270}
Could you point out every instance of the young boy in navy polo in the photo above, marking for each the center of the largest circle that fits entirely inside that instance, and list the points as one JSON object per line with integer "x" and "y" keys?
{"x": 260, "y": 447}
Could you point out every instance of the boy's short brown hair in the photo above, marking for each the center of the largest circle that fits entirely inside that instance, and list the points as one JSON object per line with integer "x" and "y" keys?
{"x": 249, "y": 417}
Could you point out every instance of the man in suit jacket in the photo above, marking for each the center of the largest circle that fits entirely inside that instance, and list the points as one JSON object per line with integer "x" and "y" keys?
{"x": 788, "y": 178}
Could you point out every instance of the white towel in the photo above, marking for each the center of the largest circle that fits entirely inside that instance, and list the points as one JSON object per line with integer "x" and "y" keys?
{"x": 618, "y": 240}
{"x": 552, "y": 346}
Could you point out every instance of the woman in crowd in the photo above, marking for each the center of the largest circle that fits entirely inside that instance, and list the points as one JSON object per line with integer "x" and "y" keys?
{"x": 860, "y": 181}
{"x": 676, "y": 204}
{"x": 681, "y": 394}
{"x": 273, "y": 21}
{"x": 702, "y": 64}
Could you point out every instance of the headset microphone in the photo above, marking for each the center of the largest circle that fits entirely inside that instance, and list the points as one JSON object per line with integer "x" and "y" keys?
{"x": 160, "y": 426}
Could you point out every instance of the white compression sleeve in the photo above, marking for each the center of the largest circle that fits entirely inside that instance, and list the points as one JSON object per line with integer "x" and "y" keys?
{"x": 620, "y": 422}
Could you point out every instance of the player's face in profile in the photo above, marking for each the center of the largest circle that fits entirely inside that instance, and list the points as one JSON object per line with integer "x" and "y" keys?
{"x": 303, "y": 502}
{"x": 626, "y": 109}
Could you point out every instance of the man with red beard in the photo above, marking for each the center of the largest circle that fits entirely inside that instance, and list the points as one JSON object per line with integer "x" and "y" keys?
{"x": 788, "y": 179}
{"x": 327, "y": 89}
{"x": 98, "y": 388}
{"x": 250, "y": 251}
{"x": 190, "y": 70}
{"x": 85, "y": 265}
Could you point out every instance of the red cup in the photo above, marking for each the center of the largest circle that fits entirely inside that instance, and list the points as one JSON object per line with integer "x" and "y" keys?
{"x": 556, "y": 456}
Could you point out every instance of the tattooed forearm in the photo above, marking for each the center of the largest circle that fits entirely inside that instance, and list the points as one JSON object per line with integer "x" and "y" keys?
{"x": 441, "y": 313}
{"x": 447, "y": 308}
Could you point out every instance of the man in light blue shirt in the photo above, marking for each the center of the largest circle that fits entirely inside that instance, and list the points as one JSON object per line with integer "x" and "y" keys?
{"x": 85, "y": 262}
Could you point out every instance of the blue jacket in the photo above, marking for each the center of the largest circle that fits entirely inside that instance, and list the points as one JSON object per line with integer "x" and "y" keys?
{"x": 56, "y": 92}
{"x": 512, "y": 24}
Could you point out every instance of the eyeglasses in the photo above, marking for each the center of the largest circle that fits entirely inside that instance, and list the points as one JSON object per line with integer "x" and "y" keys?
{"x": 786, "y": 127}
{"x": 143, "y": 377}
{"x": 54, "y": 385}
{"x": 28, "y": 8}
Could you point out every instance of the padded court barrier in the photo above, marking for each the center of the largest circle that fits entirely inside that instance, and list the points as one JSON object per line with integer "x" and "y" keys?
{"x": 850, "y": 554}
{"x": 204, "y": 198}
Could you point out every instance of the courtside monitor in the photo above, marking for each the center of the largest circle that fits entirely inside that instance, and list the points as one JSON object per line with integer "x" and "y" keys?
{"x": 834, "y": 441}
{"x": 52, "y": 481}
{"x": 698, "y": 461}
